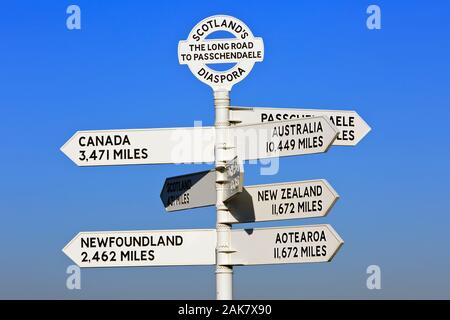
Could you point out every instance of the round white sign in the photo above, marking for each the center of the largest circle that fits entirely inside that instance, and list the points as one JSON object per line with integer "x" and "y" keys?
{"x": 243, "y": 50}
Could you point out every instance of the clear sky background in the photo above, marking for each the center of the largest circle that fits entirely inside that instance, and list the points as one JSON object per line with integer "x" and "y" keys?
{"x": 121, "y": 71}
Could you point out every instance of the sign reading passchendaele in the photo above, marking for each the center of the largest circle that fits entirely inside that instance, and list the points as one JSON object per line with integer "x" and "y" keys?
{"x": 280, "y": 201}
{"x": 142, "y": 248}
{"x": 305, "y": 244}
{"x": 189, "y": 191}
{"x": 284, "y": 138}
{"x": 352, "y": 128}
{"x": 141, "y": 146}
{"x": 244, "y": 50}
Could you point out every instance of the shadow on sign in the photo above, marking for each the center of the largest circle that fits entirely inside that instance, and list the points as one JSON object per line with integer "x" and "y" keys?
{"x": 241, "y": 207}
{"x": 189, "y": 191}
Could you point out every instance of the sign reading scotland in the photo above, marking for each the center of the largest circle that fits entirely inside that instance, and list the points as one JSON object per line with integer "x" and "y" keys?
{"x": 243, "y": 50}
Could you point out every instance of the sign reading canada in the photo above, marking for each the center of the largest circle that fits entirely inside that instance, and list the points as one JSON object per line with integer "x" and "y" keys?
{"x": 141, "y": 146}
{"x": 243, "y": 50}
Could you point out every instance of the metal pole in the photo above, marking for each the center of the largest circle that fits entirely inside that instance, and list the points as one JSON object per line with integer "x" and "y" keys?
{"x": 224, "y": 272}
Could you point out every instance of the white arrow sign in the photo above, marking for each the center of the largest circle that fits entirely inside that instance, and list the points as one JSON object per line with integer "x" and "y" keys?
{"x": 189, "y": 191}
{"x": 283, "y": 138}
{"x": 142, "y": 248}
{"x": 141, "y": 146}
{"x": 196, "y": 145}
{"x": 352, "y": 128}
{"x": 305, "y": 244}
{"x": 280, "y": 201}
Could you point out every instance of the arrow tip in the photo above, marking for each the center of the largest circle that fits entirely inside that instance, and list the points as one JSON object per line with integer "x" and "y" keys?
{"x": 366, "y": 129}
{"x": 65, "y": 146}
{"x": 66, "y": 249}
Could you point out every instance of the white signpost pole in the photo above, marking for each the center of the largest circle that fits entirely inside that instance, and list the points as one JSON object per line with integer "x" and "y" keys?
{"x": 244, "y": 50}
{"x": 224, "y": 271}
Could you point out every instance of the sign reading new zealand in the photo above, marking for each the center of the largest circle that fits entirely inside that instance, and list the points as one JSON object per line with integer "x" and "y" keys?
{"x": 243, "y": 50}
{"x": 280, "y": 201}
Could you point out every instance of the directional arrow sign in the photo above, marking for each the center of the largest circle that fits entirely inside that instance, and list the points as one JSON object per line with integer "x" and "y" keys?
{"x": 142, "y": 248}
{"x": 318, "y": 243}
{"x": 196, "y": 145}
{"x": 235, "y": 179}
{"x": 189, "y": 191}
{"x": 280, "y": 201}
{"x": 352, "y": 128}
{"x": 283, "y": 138}
{"x": 141, "y": 146}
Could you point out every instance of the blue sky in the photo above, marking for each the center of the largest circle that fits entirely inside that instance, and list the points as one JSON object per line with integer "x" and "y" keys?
{"x": 121, "y": 71}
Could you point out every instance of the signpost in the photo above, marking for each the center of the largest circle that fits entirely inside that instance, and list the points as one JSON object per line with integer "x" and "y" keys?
{"x": 305, "y": 244}
{"x": 281, "y": 201}
{"x": 189, "y": 191}
{"x": 141, "y": 146}
{"x": 142, "y": 248}
{"x": 238, "y": 134}
{"x": 352, "y": 128}
{"x": 284, "y": 138}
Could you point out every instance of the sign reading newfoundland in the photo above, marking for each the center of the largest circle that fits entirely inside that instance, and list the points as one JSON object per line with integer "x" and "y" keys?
{"x": 243, "y": 50}
{"x": 142, "y": 248}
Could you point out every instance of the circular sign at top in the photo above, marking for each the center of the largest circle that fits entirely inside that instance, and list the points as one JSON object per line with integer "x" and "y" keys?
{"x": 243, "y": 50}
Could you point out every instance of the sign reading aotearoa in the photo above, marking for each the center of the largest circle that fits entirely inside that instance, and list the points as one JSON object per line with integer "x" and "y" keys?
{"x": 142, "y": 248}
{"x": 280, "y": 201}
{"x": 305, "y": 244}
{"x": 352, "y": 128}
{"x": 141, "y": 146}
{"x": 189, "y": 191}
{"x": 283, "y": 138}
{"x": 244, "y": 50}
